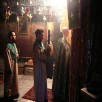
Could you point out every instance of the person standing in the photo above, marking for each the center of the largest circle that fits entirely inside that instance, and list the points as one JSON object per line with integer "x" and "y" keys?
{"x": 61, "y": 70}
{"x": 11, "y": 90}
{"x": 40, "y": 54}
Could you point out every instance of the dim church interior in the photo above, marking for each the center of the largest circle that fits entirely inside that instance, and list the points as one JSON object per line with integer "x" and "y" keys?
{"x": 25, "y": 74}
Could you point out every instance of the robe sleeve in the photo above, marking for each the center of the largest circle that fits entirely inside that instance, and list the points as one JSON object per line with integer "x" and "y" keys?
{"x": 38, "y": 54}
{"x": 8, "y": 61}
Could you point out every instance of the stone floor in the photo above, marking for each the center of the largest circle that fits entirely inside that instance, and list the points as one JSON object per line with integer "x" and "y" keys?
{"x": 25, "y": 83}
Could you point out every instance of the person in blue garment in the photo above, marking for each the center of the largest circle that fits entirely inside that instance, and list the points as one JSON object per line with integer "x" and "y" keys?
{"x": 40, "y": 54}
{"x": 11, "y": 90}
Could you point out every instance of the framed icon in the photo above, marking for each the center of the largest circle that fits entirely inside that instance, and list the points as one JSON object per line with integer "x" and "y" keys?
{"x": 23, "y": 26}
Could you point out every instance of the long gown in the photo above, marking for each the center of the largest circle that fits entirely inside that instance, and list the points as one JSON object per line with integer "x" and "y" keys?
{"x": 11, "y": 71}
{"x": 61, "y": 71}
{"x": 40, "y": 78}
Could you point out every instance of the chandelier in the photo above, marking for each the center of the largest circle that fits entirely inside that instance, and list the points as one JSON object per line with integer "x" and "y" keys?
{"x": 32, "y": 10}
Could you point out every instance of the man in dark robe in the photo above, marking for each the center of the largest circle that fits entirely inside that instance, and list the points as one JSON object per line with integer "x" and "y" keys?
{"x": 61, "y": 70}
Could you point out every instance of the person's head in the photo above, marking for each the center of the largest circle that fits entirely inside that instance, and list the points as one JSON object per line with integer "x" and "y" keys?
{"x": 12, "y": 36}
{"x": 65, "y": 31}
{"x": 39, "y": 34}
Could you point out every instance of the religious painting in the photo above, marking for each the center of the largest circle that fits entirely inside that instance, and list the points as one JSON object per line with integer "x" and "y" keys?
{"x": 74, "y": 14}
{"x": 23, "y": 29}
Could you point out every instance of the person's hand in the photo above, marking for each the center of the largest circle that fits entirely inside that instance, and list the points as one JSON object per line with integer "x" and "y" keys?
{"x": 49, "y": 49}
{"x": 48, "y": 46}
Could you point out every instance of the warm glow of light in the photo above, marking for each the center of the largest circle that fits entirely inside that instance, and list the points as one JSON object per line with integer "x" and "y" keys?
{"x": 58, "y": 7}
{"x": 59, "y": 4}
{"x": 50, "y": 25}
{"x": 56, "y": 4}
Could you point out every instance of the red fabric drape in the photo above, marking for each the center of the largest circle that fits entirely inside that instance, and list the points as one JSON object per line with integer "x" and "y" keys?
{"x": 78, "y": 52}
{"x": 78, "y": 62}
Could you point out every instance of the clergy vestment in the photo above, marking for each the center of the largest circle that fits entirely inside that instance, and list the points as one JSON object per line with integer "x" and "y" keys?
{"x": 61, "y": 70}
{"x": 40, "y": 78}
{"x": 11, "y": 71}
